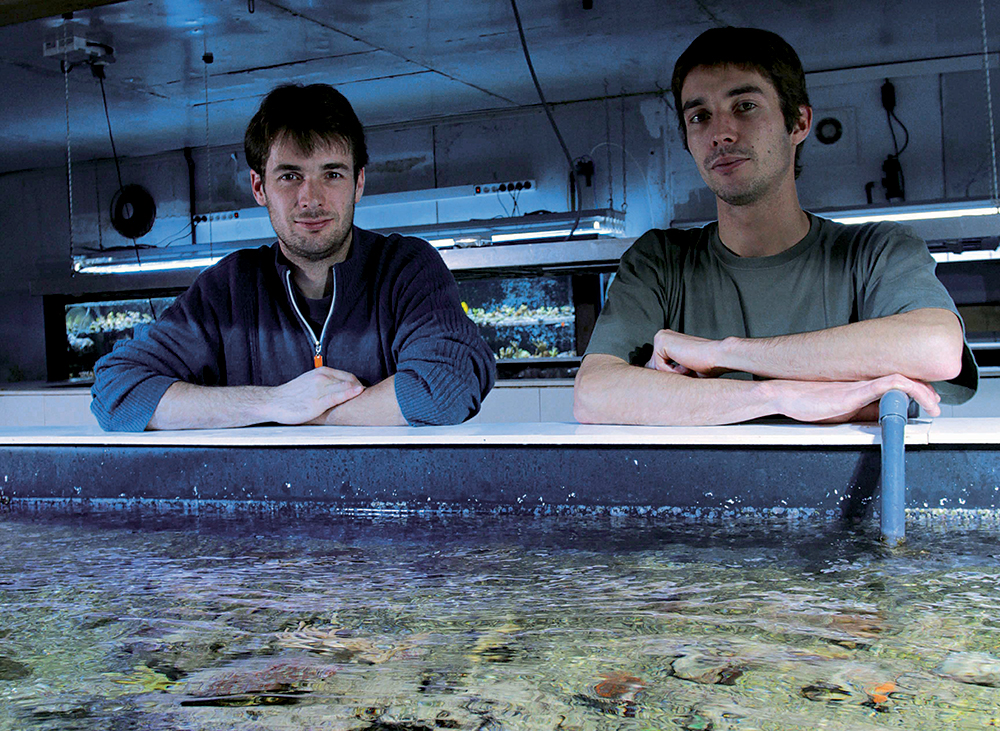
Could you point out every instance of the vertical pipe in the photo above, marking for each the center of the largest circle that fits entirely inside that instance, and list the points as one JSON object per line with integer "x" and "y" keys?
{"x": 892, "y": 410}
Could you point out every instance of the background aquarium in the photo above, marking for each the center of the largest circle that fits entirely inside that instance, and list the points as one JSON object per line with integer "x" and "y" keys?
{"x": 93, "y": 328}
{"x": 528, "y": 321}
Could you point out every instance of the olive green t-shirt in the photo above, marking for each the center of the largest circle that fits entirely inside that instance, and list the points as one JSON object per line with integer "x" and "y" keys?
{"x": 688, "y": 281}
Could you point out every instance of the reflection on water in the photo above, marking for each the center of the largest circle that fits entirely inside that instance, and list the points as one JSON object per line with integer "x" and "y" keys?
{"x": 493, "y": 623}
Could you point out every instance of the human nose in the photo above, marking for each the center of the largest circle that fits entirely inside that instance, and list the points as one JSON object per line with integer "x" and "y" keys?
{"x": 310, "y": 194}
{"x": 723, "y": 131}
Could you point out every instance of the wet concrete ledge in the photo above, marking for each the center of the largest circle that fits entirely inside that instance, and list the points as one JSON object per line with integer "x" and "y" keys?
{"x": 532, "y": 468}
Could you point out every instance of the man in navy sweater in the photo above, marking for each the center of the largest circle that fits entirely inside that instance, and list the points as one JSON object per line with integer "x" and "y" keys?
{"x": 330, "y": 325}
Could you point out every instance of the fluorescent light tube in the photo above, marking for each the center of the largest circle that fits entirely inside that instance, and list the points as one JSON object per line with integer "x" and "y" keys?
{"x": 918, "y": 215}
{"x": 524, "y": 235}
{"x": 153, "y": 266}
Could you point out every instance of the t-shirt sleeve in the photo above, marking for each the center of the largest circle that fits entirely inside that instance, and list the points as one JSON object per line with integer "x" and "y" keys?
{"x": 900, "y": 278}
{"x": 637, "y": 301}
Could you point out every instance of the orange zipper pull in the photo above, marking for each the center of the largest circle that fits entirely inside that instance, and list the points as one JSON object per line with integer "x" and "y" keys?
{"x": 318, "y": 361}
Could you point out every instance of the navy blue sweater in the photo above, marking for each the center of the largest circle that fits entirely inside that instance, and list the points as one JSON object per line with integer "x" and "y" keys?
{"x": 395, "y": 311}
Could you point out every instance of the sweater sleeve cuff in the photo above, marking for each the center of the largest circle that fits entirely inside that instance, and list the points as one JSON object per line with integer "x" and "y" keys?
{"x": 132, "y": 410}
{"x": 420, "y": 406}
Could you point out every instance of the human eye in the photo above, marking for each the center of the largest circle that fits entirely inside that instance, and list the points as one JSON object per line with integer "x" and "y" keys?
{"x": 698, "y": 117}
{"x": 745, "y": 106}
{"x": 288, "y": 177}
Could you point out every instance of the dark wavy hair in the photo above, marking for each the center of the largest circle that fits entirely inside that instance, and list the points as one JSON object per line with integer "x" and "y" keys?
{"x": 309, "y": 116}
{"x": 753, "y": 49}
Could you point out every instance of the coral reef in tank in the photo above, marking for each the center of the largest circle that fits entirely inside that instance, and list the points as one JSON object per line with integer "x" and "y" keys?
{"x": 520, "y": 315}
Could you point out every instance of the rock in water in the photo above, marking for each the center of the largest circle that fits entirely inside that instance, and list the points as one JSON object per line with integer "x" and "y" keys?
{"x": 707, "y": 669}
{"x": 251, "y": 677}
{"x": 12, "y": 669}
{"x": 975, "y": 668}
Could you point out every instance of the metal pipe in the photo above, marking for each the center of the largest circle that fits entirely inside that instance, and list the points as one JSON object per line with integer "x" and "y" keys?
{"x": 892, "y": 409}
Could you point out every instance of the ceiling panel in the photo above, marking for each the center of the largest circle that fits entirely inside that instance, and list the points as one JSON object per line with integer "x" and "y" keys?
{"x": 401, "y": 60}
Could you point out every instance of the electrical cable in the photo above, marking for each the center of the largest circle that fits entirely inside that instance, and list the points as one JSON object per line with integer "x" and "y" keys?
{"x": 624, "y": 166}
{"x": 69, "y": 159}
{"x": 892, "y": 131}
{"x": 645, "y": 180}
{"x": 506, "y": 213}
{"x": 206, "y": 59}
{"x": 107, "y": 116}
{"x": 906, "y": 143}
{"x": 889, "y": 117}
{"x": 548, "y": 113}
{"x": 607, "y": 138}
{"x": 894, "y": 181}
{"x": 131, "y": 203}
{"x": 989, "y": 104}
{"x": 538, "y": 86}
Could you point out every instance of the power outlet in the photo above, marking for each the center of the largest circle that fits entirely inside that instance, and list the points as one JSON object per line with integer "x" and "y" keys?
{"x": 510, "y": 187}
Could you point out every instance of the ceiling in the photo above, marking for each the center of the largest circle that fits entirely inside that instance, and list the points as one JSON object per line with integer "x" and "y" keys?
{"x": 401, "y": 60}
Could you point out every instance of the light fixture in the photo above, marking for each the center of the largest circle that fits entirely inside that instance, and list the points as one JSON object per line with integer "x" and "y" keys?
{"x": 222, "y": 233}
{"x": 589, "y": 224}
{"x": 954, "y": 230}
{"x": 921, "y": 212}
{"x": 127, "y": 260}
{"x": 145, "y": 266}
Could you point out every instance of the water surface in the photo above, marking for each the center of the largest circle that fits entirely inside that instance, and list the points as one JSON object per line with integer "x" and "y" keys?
{"x": 497, "y": 622}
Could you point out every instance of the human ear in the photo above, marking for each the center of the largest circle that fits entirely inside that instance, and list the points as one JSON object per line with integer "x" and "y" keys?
{"x": 802, "y": 125}
{"x": 359, "y": 186}
{"x": 257, "y": 188}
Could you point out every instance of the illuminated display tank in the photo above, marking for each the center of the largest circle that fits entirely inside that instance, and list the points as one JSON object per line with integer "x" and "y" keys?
{"x": 527, "y": 320}
{"x": 93, "y": 328}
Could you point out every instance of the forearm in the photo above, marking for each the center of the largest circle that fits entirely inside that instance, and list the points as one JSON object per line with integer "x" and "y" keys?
{"x": 610, "y": 391}
{"x": 376, "y": 406}
{"x": 188, "y": 406}
{"x": 924, "y": 345}
{"x": 300, "y": 401}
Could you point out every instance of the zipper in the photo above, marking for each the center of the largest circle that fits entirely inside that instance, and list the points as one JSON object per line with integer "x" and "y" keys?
{"x": 317, "y": 342}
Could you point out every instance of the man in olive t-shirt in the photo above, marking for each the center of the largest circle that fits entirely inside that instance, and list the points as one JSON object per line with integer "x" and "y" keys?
{"x": 806, "y": 318}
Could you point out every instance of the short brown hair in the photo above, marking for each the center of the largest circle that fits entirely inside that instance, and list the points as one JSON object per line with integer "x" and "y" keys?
{"x": 309, "y": 116}
{"x": 753, "y": 49}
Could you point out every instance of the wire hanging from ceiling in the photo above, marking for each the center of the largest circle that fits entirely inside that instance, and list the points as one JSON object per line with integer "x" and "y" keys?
{"x": 624, "y": 150}
{"x": 607, "y": 139}
{"x": 989, "y": 104}
{"x": 107, "y": 115}
{"x": 548, "y": 113}
{"x": 207, "y": 58}
{"x": 69, "y": 149}
{"x": 133, "y": 209}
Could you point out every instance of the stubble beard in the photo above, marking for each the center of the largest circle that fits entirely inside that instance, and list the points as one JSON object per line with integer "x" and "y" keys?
{"x": 312, "y": 249}
{"x": 752, "y": 191}
{"x": 745, "y": 196}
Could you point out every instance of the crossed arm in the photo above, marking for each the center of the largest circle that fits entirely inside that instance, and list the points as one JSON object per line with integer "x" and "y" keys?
{"x": 320, "y": 396}
{"x": 827, "y": 375}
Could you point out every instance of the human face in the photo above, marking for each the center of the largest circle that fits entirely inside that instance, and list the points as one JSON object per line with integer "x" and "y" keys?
{"x": 736, "y": 133}
{"x": 310, "y": 199}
